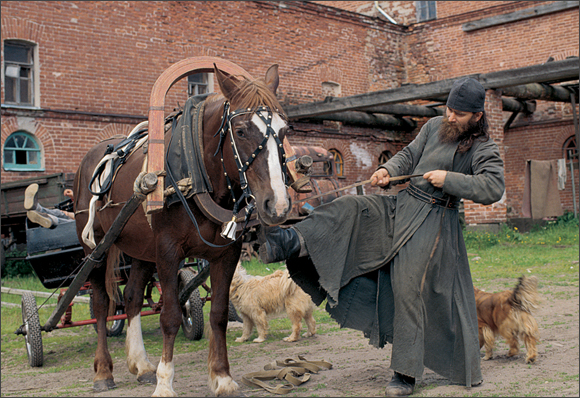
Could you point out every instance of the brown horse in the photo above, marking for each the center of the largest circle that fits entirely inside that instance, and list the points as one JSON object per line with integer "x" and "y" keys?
{"x": 255, "y": 125}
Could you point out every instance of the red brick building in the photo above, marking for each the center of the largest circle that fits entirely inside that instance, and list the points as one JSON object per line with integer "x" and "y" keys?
{"x": 74, "y": 73}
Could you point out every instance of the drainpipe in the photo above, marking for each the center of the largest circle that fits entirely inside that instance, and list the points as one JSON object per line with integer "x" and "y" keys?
{"x": 391, "y": 20}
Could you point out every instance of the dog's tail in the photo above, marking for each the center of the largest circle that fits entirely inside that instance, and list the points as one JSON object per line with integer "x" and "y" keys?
{"x": 525, "y": 296}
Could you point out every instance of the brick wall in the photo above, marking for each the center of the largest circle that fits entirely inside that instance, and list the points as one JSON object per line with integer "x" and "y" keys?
{"x": 495, "y": 213}
{"x": 103, "y": 57}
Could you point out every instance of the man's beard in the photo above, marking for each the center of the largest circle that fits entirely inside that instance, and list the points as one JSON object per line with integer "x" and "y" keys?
{"x": 451, "y": 133}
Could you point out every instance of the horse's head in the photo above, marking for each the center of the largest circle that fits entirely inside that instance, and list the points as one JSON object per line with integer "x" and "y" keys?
{"x": 257, "y": 125}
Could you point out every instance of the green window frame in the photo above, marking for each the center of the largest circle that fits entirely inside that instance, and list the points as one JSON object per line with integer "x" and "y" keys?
{"x": 22, "y": 153}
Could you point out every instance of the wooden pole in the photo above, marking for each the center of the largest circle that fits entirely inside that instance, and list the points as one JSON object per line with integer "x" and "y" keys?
{"x": 156, "y": 151}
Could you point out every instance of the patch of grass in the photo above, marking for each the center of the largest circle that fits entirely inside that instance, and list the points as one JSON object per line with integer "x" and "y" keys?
{"x": 549, "y": 252}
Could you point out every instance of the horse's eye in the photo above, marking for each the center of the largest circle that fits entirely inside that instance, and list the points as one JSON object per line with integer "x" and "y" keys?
{"x": 240, "y": 132}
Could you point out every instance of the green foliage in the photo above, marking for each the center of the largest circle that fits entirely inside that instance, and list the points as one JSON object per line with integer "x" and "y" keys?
{"x": 16, "y": 264}
{"x": 563, "y": 231}
{"x": 549, "y": 252}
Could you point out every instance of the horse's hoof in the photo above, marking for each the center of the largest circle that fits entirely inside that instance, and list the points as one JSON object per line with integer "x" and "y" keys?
{"x": 148, "y": 378}
{"x": 104, "y": 385}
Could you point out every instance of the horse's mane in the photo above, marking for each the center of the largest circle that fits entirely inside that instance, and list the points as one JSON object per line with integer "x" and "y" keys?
{"x": 251, "y": 94}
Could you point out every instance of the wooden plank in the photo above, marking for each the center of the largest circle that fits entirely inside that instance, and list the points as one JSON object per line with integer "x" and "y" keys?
{"x": 519, "y": 15}
{"x": 552, "y": 71}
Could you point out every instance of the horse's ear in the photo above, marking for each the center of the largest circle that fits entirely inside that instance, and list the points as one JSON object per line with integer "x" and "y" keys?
{"x": 227, "y": 83}
{"x": 272, "y": 79}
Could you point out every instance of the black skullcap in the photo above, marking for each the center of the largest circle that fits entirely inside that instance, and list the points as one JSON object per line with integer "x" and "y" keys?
{"x": 467, "y": 95}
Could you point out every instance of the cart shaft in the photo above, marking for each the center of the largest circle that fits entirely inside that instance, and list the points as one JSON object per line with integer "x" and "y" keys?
{"x": 94, "y": 258}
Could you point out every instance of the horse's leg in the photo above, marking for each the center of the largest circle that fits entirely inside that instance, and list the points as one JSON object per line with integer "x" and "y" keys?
{"x": 221, "y": 273}
{"x": 170, "y": 319}
{"x": 137, "y": 361}
{"x": 103, "y": 363}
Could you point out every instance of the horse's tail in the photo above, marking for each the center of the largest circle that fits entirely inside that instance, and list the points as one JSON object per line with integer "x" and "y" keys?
{"x": 112, "y": 276}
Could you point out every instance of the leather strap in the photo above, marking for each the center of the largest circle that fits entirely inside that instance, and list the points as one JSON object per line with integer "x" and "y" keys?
{"x": 290, "y": 372}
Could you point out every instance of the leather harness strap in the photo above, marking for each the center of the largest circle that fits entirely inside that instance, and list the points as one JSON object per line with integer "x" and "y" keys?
{"x": 288, "y": 370}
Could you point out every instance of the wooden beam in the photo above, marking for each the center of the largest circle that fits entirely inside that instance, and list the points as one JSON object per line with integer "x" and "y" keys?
{"x": 512, "y": 105}
{"x": 544, "y": 92}
{"x": 519, "y": 15}
{"x": 405, "y": 110}
{"x": 564, "y": 70}
{"x": 368, "y": 120}
{"x": 380, "y": 116}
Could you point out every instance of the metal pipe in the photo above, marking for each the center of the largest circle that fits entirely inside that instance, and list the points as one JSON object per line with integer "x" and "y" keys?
{"x": 391, "y": 20}
{"x": 570, "y": 156}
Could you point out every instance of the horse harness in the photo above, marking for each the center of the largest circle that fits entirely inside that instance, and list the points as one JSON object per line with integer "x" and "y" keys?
{"x": 226, "y": 126}
{"x": 103, "y": 176}
{"x": 229, "y": 229}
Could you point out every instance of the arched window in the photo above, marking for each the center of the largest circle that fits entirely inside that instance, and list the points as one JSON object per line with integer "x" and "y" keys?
{"x": 338, "y": 162}
{"x": 384, "y": 157}
{"x": 570, "y": 149}
{"x": 22, "y": 152}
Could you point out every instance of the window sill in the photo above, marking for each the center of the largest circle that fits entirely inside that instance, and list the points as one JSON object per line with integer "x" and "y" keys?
{"x": 17, "y": 106}
{"x": 16, "y": 169}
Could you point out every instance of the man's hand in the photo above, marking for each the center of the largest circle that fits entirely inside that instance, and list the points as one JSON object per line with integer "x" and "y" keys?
{"x": 436, "y": 177}
{"x": 380, "y": 178}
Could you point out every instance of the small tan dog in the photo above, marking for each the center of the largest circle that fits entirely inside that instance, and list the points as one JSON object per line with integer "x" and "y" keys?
{"x": 509, "y": 314}
{"x": 257, "y": 297}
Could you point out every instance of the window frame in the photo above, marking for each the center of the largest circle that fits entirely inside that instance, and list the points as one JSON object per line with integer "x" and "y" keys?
{"x": 32, "y": 66}
{"x": 570, "y": 144}
{"x": 426, "y": 10}
{"x": 193, "y": 86}
{"x": 338, "y": 162}
{"x": 14, "y": 166}
{"x": 384, "y": 157}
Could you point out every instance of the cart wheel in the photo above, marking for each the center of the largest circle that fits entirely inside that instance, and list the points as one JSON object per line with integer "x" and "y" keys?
{"x": 232, "y": 314}
{"x": 117, "y": 326}
{"x": 33, "y": 337}
{"x": 192, "y": 312}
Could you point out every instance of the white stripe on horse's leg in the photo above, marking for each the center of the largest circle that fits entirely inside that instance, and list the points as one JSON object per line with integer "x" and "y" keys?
{"x": 137, "y": 360}
{"x": 165, "y": 374}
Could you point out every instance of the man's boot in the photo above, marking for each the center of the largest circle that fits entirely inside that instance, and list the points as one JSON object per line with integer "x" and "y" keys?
{"x": 30, "y": 197}
{"x": 42, "y": 219}
{"x": 400, "y": 385}
{"x": 278, "y": 244}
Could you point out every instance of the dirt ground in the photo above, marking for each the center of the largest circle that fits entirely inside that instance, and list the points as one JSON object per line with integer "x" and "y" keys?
{"x": 358, "y": 368}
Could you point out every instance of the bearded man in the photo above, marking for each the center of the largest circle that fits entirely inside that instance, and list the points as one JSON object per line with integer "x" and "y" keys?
{"x": 396, "y": 267}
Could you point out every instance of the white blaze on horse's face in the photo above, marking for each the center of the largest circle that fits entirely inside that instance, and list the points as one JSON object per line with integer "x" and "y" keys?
{"x": 277, "y": 179}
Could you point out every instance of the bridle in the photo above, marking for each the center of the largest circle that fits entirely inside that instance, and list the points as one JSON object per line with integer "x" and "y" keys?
{"x": 229, "y": 230}
{"x": 242, "y": 166}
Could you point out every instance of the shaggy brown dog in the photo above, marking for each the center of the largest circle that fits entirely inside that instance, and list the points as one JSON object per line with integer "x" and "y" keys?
{"x": 257, "y": 297}
{"x": 509, "y": 314}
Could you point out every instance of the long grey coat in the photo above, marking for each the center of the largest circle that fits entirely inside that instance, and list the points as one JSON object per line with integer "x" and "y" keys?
{"x": 397, "y": 268}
